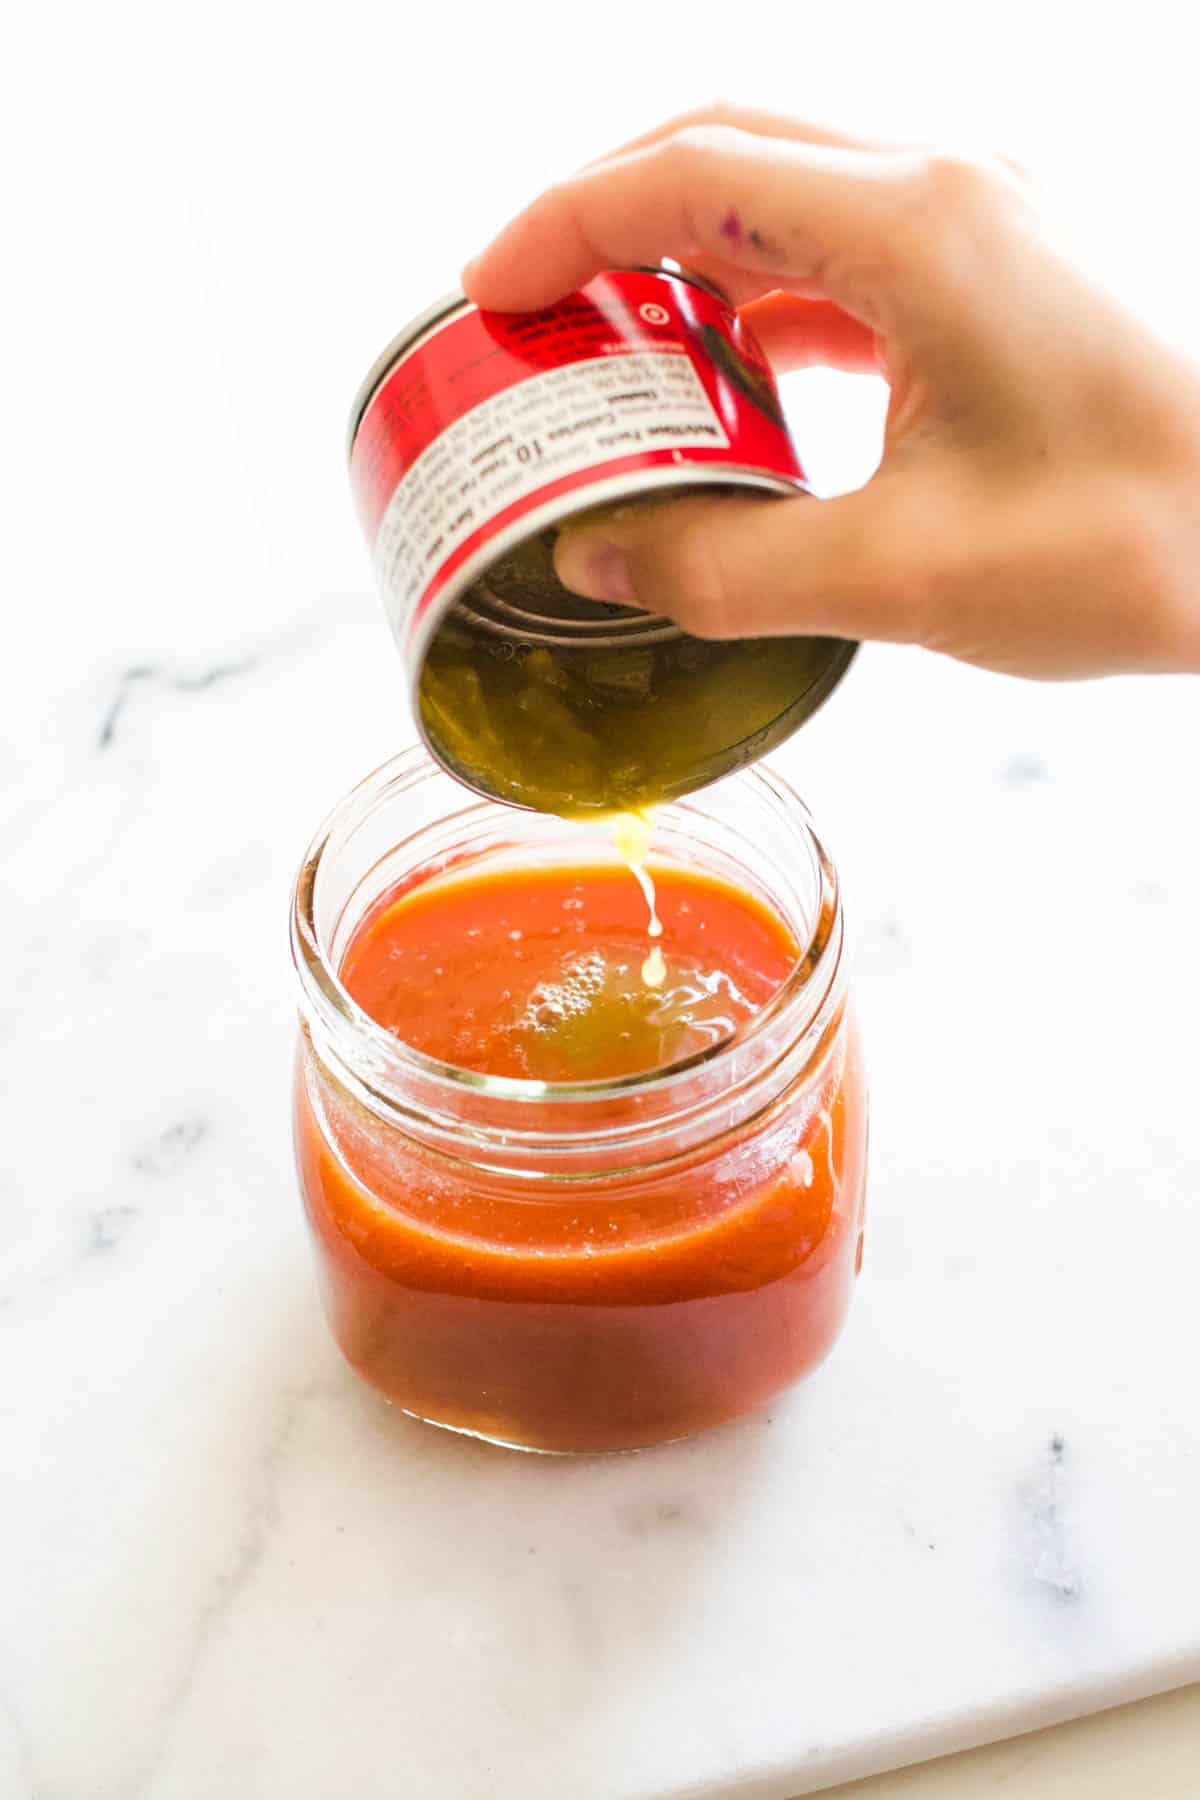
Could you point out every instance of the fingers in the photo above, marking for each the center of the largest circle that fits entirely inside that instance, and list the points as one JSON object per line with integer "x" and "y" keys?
{"x": 796, "y": 214}
{"x": 738, "y": 284}
{"x": 802, "y": 334}
{"x": 754, "y": 119}
{"x": 728, "y": 566}
{"x": 762, "y": 123}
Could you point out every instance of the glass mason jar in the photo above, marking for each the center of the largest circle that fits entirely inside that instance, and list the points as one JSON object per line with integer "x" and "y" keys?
{"x": 584, "y": 1265}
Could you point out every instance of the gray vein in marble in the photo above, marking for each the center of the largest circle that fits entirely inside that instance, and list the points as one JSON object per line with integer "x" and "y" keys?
{"x": 164, "y": 1154}
{"x": 138, "y": 675}
{"x": 299, "y": 635}
{"x": 1023, "y": 771}
{"x": 101, "y": 1230}
{"x": 14, "y": 991}
{"x": 917, "y": 1537}
{"x": 646, "y": 1518}
{"x": 1055, "y": 1564}
{"x": 260, "y": 1517}
{"x": 55, "y": 906}
{"x": 108, "y": 1226}
{"x": 96, "y": 1233}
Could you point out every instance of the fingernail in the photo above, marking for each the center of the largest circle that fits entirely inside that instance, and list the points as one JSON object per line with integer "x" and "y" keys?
{"x": 597, "y": 570}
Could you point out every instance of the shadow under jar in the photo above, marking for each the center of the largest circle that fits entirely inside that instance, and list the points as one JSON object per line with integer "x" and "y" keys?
{"x": 584, "y": 1265}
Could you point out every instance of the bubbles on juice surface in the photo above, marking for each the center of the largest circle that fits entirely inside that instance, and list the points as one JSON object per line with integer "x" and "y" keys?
{"x": 553, "y": 1003}
{"x": 600, "y": 1014}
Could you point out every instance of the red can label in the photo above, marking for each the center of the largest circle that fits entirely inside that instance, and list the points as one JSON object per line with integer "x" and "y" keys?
{"x": 496, "y": 415}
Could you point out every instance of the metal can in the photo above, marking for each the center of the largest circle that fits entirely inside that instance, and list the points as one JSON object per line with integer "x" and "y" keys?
{"x": 475, "y": 437}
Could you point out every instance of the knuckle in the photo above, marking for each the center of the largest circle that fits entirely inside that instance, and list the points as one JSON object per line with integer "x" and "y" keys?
{"x": 948, "y": 203}
{"x": 714, "y": 112}
{"x": 690, "y": 159}
{"x": 694, "y": 146}
{"x": 953, "y": 183}
{"x": 558, "y": 197}
{"x": 566, "y": 212}
{"x": 950, "y": 187}
{"x": 722, "y": 112}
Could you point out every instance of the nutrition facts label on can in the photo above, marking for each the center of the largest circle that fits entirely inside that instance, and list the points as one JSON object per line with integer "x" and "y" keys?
{"x": 547, "y": 426}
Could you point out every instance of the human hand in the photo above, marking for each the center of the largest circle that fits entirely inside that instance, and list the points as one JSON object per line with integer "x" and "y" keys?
{"x": 1037, "y": 507}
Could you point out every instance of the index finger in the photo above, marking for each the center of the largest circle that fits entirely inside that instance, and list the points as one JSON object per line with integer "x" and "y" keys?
{"x": 754, "y": 119}
{"x": 810, "y": 217}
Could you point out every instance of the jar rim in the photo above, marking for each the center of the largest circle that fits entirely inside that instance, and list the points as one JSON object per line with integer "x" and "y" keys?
{"x": 329, "y": 1003}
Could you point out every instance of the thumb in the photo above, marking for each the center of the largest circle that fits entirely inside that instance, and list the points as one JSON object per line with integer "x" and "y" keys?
{"x": 730, "y": 566}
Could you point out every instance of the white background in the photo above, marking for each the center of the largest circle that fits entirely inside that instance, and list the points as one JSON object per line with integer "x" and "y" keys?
{"x": 224, "y": 1569}
{"x": 215, "y": 219}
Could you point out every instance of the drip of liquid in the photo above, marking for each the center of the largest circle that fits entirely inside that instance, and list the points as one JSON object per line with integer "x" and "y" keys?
{"x": 631, "y": 835}
{"x": 654, "y": 969}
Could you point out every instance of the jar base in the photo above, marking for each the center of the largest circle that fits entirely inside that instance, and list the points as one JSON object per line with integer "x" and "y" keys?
{"x": 500, "y": 1443}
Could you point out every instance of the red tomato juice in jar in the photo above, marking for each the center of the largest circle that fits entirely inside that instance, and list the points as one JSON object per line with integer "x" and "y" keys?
{"x": 553, "y": 1205}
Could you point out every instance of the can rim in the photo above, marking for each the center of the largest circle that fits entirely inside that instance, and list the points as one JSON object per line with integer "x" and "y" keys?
{"x": 629, "y": 486}
{"x": 405, "y": 340}
{"x": 618, "y": 487}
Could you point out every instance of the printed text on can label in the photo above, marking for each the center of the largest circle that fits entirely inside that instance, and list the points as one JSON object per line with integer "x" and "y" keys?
{"x": 550, "y": 425}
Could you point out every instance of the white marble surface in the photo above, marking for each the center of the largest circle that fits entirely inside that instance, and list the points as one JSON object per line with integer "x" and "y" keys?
{"x": 227, "y": 1568}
